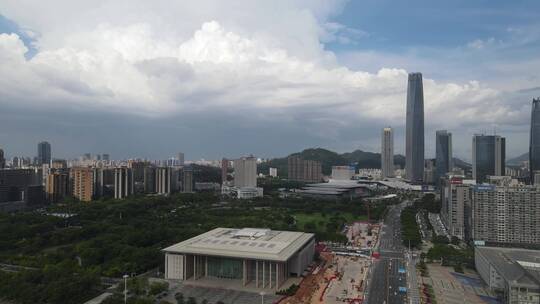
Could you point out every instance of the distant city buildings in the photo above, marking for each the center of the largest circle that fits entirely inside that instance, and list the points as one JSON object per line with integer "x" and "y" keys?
{"x": 301, "y": 170}
{"x": 2, "y": 159}
{"x": 43, "y": 153}
{"x": 387, "y": 153}
{"x": 166, "y": 180}
{"x": 488, "y": 156}
{"x": 342, "y": 172}
{"x": 272, "y": 172}
{"x": 180, "y": 159}
{"x": 534, "y": 140}
{"x": 443, "y": 154}
{"x": 414, "y": 141}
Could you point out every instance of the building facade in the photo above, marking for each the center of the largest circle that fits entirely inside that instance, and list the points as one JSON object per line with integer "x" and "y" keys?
{"x": 249, "y": 257}
{"x": 534, "y": 140}
{"x": 2, "y": 159}
{"x": 443, "y": 154}
{"x": 387, "y": 153}
{"x": 507, "y": 214}
{"x": 166, "y": 180}
{"x": 224, "y": 170}
{"x": 489, "y": 156}
{"x": 414, "y": 144}
{"x": 301, "y": 170}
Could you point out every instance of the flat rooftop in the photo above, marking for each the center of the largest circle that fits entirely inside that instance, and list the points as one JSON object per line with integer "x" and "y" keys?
{"x": 515, "y": 265}
{"x": 247, "y": 243}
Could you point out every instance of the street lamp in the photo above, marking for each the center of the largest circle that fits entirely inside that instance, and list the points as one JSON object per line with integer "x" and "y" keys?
{"x": 125, "y": 288}
{"x": 262, "y": 296}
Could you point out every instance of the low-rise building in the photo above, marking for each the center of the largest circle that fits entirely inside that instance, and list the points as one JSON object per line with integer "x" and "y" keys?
{"x": 515, "y": 273}
{"x": 249, "y": 257}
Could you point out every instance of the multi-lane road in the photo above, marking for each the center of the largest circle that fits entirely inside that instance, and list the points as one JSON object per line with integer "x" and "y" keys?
{"x": 389, "y": 272}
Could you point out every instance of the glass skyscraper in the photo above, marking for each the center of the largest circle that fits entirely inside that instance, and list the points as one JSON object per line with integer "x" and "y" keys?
{"x": 489, "y": 156}
{"x": 414, "y": 145}
{"x": 443, "y": 153}
{"x": 44, "y": 153}
{"x": 534, "y": 141}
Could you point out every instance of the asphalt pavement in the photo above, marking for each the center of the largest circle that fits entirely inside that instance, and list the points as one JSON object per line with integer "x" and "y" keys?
{"x": 386, "y": 277}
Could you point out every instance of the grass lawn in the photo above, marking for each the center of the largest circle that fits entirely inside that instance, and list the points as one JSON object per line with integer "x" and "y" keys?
{"x": 321, "y": 221}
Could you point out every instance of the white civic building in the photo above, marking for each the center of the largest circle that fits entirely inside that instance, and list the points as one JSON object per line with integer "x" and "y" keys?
{"x": 249, "y": 257}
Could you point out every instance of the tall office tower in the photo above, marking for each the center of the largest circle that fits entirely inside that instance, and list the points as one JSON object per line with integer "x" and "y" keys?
{"x": 443, "y": 154}
{"x": 456, "y": 206}
{"x": 44, "y": 153}
{"x": 149, "y": 179}
{"x": 387, "y": 153}
{"x": 534, "y": 140}
{"x": 245, "y": 172}
{"x": 2, "y": 159}
{"x": 308, "y": 171}
{"x": 414, "y": 145}
{"x": 187, "y": 180}
{"x": 506, "y": 214}
{"x": 56, "y": 187}
{"x": 166, "y": 180}
{"x": 180, "y": 159}
{"x": 224, "y": 169}
{"x": 123, "y": 182}
{"x": 488, "y": 156}
{"x": 82, "y": 183}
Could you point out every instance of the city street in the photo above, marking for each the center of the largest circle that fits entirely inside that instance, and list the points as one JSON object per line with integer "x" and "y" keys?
{"x": 389, "y": 273}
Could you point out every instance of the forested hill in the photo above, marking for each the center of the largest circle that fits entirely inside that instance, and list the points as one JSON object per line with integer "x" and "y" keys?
{"x": 358, "y": 158}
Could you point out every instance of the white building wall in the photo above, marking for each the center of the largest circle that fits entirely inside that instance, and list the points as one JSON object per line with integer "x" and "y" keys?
{"x": 174, "y": 266}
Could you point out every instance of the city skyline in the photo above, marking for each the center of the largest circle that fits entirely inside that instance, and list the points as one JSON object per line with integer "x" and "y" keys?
{"x": 328, "y": 80}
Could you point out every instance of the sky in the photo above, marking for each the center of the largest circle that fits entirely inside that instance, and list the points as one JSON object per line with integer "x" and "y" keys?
{"x": 219, "y": 79}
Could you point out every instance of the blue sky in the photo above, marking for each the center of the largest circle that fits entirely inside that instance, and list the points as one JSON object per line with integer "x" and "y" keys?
{"x": 270, "y": 78}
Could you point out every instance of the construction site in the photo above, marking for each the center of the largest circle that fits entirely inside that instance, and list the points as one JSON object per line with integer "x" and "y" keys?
{"x": 340, "y": 275}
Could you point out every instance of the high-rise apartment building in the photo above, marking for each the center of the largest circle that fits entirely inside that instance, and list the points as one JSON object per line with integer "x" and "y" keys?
{"x": 187, "y": 180}
{"x": 82, "y": 183}
{"x": 303, "y": 170}
{"x": 166, "y": 180}
{"x": 456, "y": 206}
{"x": 272, "y": 172}
{"x": 43, "y": 153}
{"x": 443, "y": 154}
{"x": 245, "y": 172}
{"x": 138, "y": 170}
{"x": 150, "y": 180}
{"x": 489, "y": 156}
{"x": 224, "y": 169}
{"x": 56, "y": 186}
{"x": 506, "y": 214}
{"x": 387, "y": 153}
{"x": 342, "y": 172}
{"x": 414, "y": 144}
{"x": 534, "y": 141}
{"x": 123, "y": 182}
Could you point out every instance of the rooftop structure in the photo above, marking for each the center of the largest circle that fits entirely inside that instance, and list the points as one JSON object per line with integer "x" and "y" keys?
{"x": 335, "y": 189}
{"x": 514, "y": 272}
